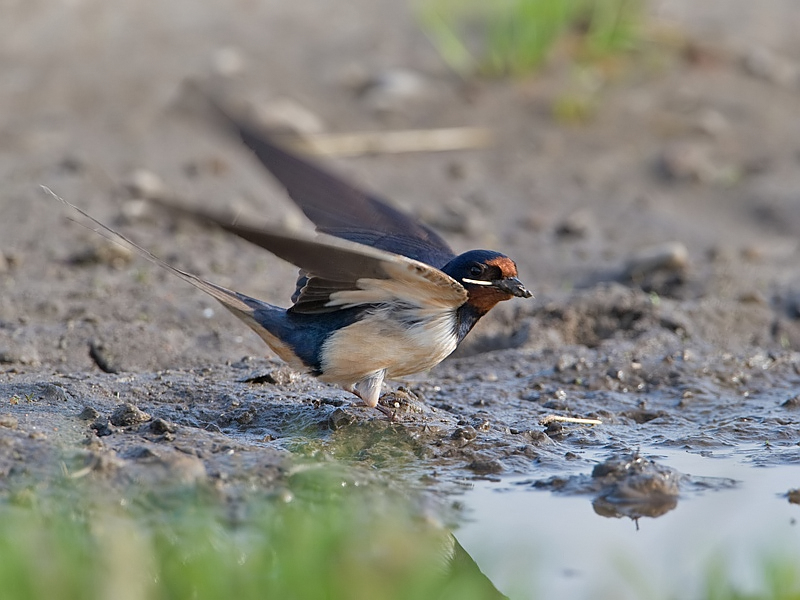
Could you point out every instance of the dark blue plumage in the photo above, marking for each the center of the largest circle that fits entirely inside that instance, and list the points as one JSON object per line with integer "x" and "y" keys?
{"x": 305, "y": 334}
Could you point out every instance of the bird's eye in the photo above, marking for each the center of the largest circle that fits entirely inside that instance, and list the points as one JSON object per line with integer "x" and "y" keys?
{"x": 476, "y": 270}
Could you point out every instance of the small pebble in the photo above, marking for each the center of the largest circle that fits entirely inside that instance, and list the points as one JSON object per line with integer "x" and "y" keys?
{"x": 54, "y": 393}
{"x": 670, "y": 256}
{"x": 485, "y": 466}
{"x": 72, "y": 164}
{"x": 538, "y": 438}
{"x": 465, "y": 434}
{"x": 102, "y": 427}
{"x": 162, "y": 426}
{"x": 246, "y": 417}
{"x": 228, "y": 61}
{"x": 340, "y": 418}
{"x": 752, "y": 253}
{"x": 128, "y": 414}
{"x": 353, "y": 76}
{"x": 286, "y": 114}
{"x": 144, "y": 184}
{"x": 135, "y": 209}
{"x": 764, "y": 64}
{"x": 533, "y": 222}
{"x": 687, "y": 161}
{"x": 576, "y": 225}
{"x": 103, "y": 253}
{"x": 8, "y": 421}
{"x": 394, "y": 90}
{"x": 792, "y": 403}
{"x": 14, "y": 259}
{"x": 713, "y": 123}
{"x": 753, "y": 297}
{"x": 565, "y": 362}
{"x": 89, "y": 413}
{"x": 456, "y": 170}
{"x": 482, "y": 424}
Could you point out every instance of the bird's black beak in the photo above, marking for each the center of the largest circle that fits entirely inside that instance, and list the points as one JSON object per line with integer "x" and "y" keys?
{"x": 513, "y": 286}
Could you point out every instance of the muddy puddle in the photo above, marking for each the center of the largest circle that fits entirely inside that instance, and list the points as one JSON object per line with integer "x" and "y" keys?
{"x": 729, "y": 514}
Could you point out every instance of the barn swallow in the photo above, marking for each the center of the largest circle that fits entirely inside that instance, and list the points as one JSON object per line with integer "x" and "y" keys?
{"x": 380, "y": 295}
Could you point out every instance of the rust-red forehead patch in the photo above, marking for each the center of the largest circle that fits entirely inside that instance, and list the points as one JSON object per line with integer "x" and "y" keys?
{"x": 505, "y": 264}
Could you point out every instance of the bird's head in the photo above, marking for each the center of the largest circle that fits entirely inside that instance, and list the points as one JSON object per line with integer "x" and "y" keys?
{"x": 488, "y": 276}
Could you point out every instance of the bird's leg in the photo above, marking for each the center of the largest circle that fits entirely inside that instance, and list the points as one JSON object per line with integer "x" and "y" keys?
{"x": 369, "y": 390}
{"x": 387, "y": 411}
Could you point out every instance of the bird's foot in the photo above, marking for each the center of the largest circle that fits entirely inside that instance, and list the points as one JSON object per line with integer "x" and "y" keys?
{"x": 390, "y": 414}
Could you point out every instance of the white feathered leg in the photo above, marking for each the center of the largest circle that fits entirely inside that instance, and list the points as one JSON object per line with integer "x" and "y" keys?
{"x": 369, "y": 390}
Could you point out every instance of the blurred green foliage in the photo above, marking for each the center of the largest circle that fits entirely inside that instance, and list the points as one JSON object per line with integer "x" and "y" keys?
{"x": 780, "y": 580}
{"x": 322, "y": 537}
{"x": 514, "y": 37}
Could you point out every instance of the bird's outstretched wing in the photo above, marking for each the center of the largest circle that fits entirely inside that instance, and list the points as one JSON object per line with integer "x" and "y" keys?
{"x": 340, "y": 274}
{"x": 338, "y": 208}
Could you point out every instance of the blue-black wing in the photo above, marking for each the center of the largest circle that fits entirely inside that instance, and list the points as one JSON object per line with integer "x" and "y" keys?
{"x": 337, "y": 274}
{"x": 340, "y": 209}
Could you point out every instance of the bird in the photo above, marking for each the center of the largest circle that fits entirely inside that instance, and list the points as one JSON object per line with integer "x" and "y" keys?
{"x": 380, "y": 295}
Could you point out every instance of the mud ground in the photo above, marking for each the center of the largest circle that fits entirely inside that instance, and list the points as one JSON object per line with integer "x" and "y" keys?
{"x": 113, "y": 370}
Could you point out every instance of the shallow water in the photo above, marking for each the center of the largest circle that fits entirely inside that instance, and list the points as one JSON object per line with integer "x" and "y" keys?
{"x": 535, "y": 543}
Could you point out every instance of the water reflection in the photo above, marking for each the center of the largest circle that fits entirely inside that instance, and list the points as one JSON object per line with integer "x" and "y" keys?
{"x": 624, "y": 485}
{"x": 552, "y": 544}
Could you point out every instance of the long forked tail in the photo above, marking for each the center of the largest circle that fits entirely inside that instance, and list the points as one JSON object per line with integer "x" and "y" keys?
{"x": 230, "y": 299}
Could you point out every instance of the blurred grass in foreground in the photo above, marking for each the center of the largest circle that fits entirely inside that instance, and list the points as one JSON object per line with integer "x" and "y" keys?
{"x": 780, "y": 580}
{"x": 515, "y": 36}
{"x": 324, "y": 536}
{"x": 343, "y": 543}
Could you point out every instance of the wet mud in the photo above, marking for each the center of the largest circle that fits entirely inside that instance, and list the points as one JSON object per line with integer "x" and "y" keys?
{"x": 214, "y": 425}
